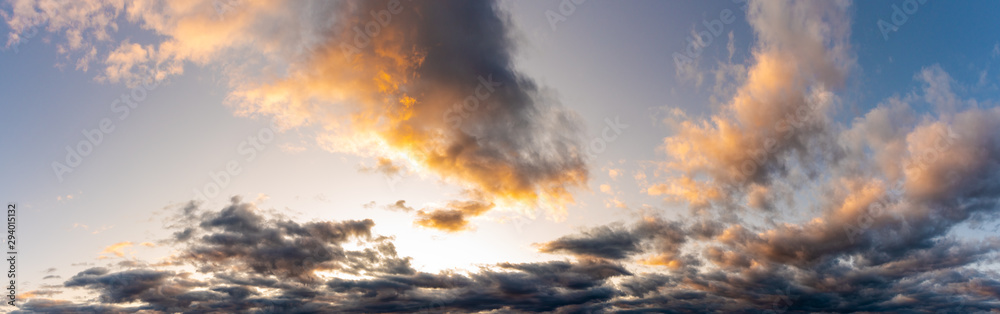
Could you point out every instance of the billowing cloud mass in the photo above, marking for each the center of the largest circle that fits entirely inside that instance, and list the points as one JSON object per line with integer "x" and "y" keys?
{"x": 888, "y": 188}
{"x": 425, "y": 85}
{"x": 433, "y": 86}
{"x": 777, "y": 117}
{"x": 745, "y": 272}
{"x": 240, "y": 259}
{"x": 888, "y": 184}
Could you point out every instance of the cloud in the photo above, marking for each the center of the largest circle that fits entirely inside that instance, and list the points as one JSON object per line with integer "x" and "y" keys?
{"x": 426, "y": 85}
{"x": 36, "y": 293}
{"x": 602, "y": 242}
{"x": 527, "y": 287}
{"x": 614, "y": 173}
{"x": 453, "y": 217}
{"x": 897, "y": 185}
{"x": 117, "y": 248}
{"x": 748, "y": 273}
{"x": 605, "y": 188}
{"x": 664, "y": 239}
{"x": 399, "y": 205}
{"x": 384, "y": 166}
{"x": 244, "y": 260}
{"x": 440, "y": 93}
{"x": 882, "y": 192}
{"x": 239, "y": 239}
{"x": 776, "y": 118}
{"x": 121, "y": 62}
{"x": 83, "y": 23}
{"x": 119, "y": 287}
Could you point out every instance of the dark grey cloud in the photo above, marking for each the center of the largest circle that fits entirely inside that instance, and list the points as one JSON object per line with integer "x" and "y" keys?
{"x": 617, "y": 242}
{"x": 239, "y": 238}
{"x": 527, "y": 287}
{"x": 247, "y": 261}
{"x": 612, "y": 242}
{"x": 240, "y": 252}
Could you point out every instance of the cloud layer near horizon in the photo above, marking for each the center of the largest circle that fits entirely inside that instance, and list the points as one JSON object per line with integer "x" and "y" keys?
{"x": 241, "y": 259}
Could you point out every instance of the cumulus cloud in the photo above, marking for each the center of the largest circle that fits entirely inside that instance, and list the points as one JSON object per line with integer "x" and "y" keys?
{"x": 244, "y": 260}
{"x": 452, "y": 217}
{"x": 900, "y": 184}
{"x": 777, "y": 117}
{"x": 436, "y": 89}
{"x": 788, "y": 269}
{"x": 883, "y": 192}
{"x": 239, "y": 239}
{"x": 427, "y": 86}
{"x": 890, "y": 181}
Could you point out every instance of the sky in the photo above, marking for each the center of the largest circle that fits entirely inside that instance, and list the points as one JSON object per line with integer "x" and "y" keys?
{"x": 572, "y": 156}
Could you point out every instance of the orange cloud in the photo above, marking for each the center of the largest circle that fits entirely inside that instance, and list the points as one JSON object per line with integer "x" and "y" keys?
{"x": 414, "y": 93}
{"x": 405, "y": 83}
{"x": 452, "y": 218}
{"x": 776, "y": 116}
{"x": 665, "y": 260}
{"x": 117, "y": 248}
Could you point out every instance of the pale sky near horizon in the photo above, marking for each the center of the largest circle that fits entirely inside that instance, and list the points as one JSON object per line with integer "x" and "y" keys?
{"x": 531, "y": 176}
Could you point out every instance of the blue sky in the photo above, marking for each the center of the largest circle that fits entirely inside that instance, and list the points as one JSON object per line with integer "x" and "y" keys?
{"x": 520, "y": 182}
